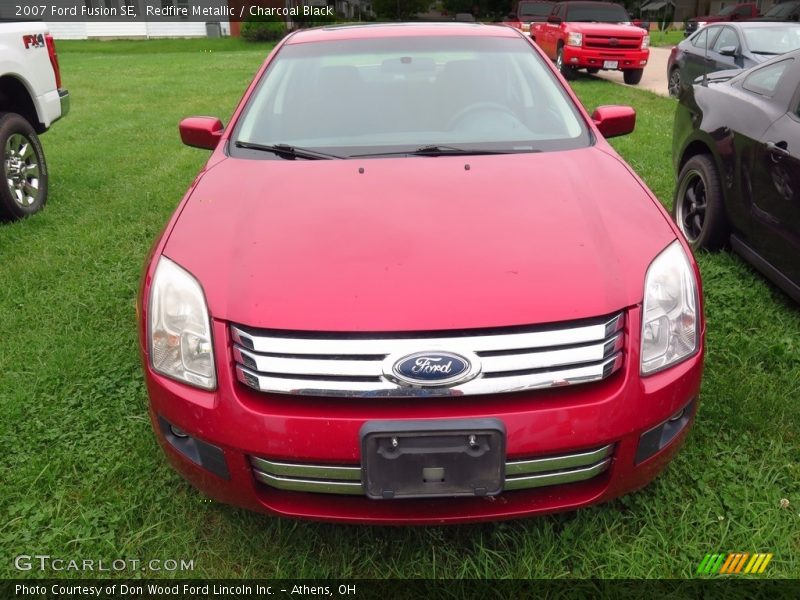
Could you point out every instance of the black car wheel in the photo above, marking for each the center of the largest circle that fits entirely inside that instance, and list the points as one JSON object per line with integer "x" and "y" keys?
{"x": 567, "y": 72}
{"x": 699, "y": 208}
{"x": 632, "y": 76}
{"x": 24, "y": 189}
{"x": 674, "y": 82}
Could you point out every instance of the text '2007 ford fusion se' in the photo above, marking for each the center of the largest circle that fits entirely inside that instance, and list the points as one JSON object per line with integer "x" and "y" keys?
{"x": 360, "y": 312}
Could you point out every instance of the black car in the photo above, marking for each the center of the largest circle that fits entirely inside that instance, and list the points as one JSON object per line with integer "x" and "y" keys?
{"x": 785, "y": 11}
{"x": 728, "y": 46}
{"x": 736, "y": 148}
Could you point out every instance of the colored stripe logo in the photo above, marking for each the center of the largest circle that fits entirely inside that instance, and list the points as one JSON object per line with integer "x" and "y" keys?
{"x": 735, "y": 563}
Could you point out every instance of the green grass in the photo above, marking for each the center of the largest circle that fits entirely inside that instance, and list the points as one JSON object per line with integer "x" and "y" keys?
{"x": 670, "y": 37}
{"x": 82, "y": 476}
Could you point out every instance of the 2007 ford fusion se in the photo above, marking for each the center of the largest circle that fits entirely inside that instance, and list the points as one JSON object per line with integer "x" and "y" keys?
{"x": 415, "y": 284}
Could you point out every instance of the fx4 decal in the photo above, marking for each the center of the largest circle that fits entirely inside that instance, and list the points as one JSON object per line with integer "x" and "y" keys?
{"x": 33, "y": 41}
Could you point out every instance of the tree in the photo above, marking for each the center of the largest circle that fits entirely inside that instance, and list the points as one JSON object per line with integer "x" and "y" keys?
{"x": 401, "y": 10}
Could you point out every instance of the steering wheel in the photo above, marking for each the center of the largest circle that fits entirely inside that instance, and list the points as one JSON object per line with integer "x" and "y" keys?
{"x": 479, "y": 107}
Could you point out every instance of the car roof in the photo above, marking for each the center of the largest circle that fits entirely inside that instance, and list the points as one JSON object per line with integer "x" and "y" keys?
{"x": 384, "y": 30}
{"x": 754, "y": 24}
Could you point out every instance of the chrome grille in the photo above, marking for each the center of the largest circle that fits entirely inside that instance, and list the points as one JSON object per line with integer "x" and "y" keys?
{"x": 353, "y": 365}
{"x": 520, "y": 474}
{"x": 612, "y": 42}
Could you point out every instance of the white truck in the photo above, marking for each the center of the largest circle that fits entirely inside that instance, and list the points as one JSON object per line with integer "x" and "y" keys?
{"x": 31, "y": 100}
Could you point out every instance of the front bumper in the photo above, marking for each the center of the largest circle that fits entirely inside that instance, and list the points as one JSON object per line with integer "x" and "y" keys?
{"x": 241, "y": 432}
{"x": 591, "y": 58}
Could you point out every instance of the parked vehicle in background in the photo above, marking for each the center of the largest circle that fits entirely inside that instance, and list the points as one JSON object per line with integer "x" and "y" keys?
{"x": 734, "y": 12}
{"x": 729, "y": 46}
{"x": 736, "y": 149}
{"x": 785, "y": 11}
{"x": 394, "y": 333}
{"x": 593, "y": 36}
{"x": 529, "y": 11}
{"x": 31, "y": 99}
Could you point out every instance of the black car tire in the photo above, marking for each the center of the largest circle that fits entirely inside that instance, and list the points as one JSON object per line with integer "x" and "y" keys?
{"x": 22, "y": 163}
{"x": 632, "y": 76}
{"x": 674, "y": 82}
{"x": 567, "y": 72}
{"x": 699, "y": 205}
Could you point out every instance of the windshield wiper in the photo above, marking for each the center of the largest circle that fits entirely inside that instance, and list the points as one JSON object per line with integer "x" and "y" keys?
{"x": 433, "y": 150}
{"x": 764, "y": 52}
{"x": 287, "y": 151}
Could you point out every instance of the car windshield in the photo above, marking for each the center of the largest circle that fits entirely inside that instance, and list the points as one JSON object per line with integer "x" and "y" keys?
{"x": 405, "y": 94}
{"x": 777, "y": 39}
{"x": 535, "y": 9}
{"x": 782, "y": 10}
{"x": 599, "y": 13}
{"x": 727, "y": 10}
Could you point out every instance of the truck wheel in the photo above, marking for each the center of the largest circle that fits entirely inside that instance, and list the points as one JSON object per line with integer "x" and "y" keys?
{"x": 632, "y": 76}
{"x": 699, "y": 206}
{"x": 23, "y": 190}
{"x": 567, "y": 72}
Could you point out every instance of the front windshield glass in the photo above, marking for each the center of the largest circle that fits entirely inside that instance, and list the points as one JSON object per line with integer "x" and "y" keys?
{"x": 781, "y": 11}
{"x": 777, "y": 39}
{"x": 600, "y": 13}
{"x": 368, "y": 96}
{"x": 535, "y": 9}
{"x": 727, "y": 10}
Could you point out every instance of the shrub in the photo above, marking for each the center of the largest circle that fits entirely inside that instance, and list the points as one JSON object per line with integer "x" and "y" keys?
{"x": 262, "y": 30}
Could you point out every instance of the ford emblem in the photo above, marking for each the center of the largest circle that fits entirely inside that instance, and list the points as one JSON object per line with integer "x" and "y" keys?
{"x": 431, "y": 369}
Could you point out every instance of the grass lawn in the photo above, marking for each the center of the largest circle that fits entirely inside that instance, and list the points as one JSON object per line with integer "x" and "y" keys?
{"x": 668, "y": 38}
{"x": 82, "y": 476}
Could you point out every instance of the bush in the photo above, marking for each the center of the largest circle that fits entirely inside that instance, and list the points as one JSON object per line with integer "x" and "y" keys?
{"x": 263, "y": 31}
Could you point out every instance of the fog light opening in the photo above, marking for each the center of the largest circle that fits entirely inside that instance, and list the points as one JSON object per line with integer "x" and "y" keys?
{"x": 178, "y": 432}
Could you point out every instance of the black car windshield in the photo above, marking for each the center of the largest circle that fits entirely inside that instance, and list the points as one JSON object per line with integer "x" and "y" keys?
{"x": 535, "y": 9}
{"x": 781, "y": 11}
{"x": 388, "y": 95}
{"x": 727, "y": 10}
{"x": 599, "y": 13}
{"x": 777, "y": 39}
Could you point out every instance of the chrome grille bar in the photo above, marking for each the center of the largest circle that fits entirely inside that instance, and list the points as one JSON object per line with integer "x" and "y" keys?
{"x": 354, "y": 365}
{"x": 346, "y": 479}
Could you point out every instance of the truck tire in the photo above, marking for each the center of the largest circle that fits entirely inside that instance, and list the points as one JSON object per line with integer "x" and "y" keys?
{"x": 567, "y": 72}
{"x": 23, "y": 189}
{"x": 632, "y": 76}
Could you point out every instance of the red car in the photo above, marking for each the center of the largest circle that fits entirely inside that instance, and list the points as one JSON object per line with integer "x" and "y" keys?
{"x": 356, "y": 315}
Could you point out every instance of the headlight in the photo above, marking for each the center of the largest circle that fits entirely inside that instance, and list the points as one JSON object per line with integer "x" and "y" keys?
{"x": 574, "y": 39}
{"x": 701, "y": 24}
{"x": 179, "y": 328}
{"x": 670, "y": 321}
{"x": 645, "y": 42}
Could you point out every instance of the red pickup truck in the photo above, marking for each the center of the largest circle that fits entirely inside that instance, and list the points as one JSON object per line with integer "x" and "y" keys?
{"x": 734, "y": 12}
{"x": 529, "y": 11}
{"x": 593, "y": 36}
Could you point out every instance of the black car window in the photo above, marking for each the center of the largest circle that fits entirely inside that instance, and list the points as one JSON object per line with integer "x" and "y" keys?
{"x": 764, "y": 81}
{"x": 699, "y": 40}
{"x": 726, "y": 38}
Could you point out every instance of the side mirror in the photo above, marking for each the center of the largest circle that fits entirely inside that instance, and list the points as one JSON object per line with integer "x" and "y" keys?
{"x": 554, "y": 19}
{"x": 511, "y": 17}
{"x": 614, "y": 120}
{"x": 201, "y": 132}
{"x": 728, "y": 51}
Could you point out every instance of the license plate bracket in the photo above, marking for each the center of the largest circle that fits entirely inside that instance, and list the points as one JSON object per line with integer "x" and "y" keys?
{"x": 428, "y": 459}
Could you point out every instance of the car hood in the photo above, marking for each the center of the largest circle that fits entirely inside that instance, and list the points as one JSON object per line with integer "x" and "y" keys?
{"x": 605, "y": 29}
{"x": 419, "y": 243}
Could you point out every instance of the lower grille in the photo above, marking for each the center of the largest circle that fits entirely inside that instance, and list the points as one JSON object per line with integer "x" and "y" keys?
{"x": 520, "y": 474}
